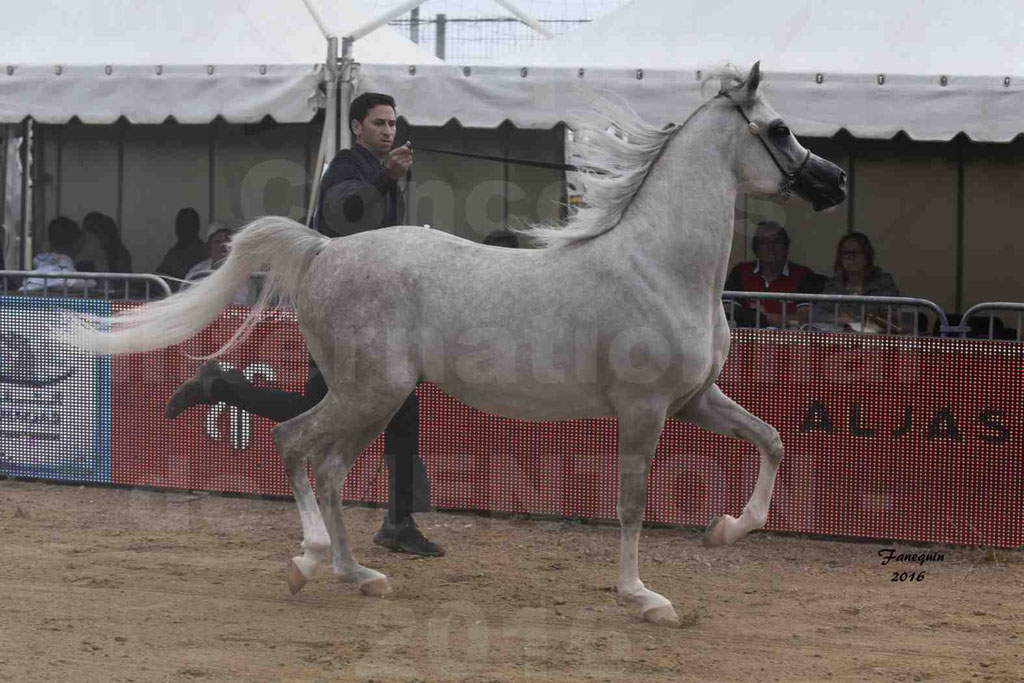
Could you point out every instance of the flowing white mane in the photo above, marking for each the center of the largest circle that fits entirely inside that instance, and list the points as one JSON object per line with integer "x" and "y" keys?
{"x": 614, "y": 149}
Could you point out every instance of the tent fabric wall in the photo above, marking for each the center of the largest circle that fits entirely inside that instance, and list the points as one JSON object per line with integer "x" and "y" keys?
{"x": 982, "y": 107}
{"x": 873, "y": 68}
{"x": 191, "y": 60}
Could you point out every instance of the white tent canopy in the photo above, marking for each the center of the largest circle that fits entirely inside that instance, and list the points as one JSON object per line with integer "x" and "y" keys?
{"x": 874, "y": 67}
{"x": 192, "y": 60}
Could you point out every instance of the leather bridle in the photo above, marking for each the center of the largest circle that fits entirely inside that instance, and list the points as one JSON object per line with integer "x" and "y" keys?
{"x": 792, "y": 178}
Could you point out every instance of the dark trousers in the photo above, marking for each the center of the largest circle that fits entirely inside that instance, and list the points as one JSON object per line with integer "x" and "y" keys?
{"x": 408, "y": 485}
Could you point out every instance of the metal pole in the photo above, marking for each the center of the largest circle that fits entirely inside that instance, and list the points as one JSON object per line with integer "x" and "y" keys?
{"x": 120, "y": 172}
{"x": 4, "y": 136}
{"x": 439, "y": 36}
{"x": 211, "y": 172}
{"x": 321, "y": 24}
{"x": 344, "y": 139}
{"x": 331, "y": 114}
{"x": 385, "y": 18}
{"x": 525, "y": 18}
{"x": 58, "y": 184}
{"x": 329, "y": 135}
{"x": 26, "y": 196}
{"x": 961, "y": 239}
{"x": 414, "y": 25}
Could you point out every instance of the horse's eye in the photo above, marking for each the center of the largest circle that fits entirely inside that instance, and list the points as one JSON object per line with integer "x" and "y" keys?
{"x": 780, "y": 131}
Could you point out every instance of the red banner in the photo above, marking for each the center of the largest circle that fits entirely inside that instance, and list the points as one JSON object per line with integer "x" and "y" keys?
{"x": 910, "y": 439}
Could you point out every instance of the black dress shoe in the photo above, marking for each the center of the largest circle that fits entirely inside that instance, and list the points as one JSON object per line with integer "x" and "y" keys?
{"x": 199, "y": 389}
{"x": 404, "y": 537}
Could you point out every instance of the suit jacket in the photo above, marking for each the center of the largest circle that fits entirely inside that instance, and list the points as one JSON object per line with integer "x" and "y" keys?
{"x": 357, "y": 194}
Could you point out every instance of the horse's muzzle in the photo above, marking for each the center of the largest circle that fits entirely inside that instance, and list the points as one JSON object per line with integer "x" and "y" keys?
{"x": 821, "y": 182}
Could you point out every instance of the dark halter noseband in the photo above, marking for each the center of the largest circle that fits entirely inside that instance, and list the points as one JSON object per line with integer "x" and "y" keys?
{"x": 792, "y": 178}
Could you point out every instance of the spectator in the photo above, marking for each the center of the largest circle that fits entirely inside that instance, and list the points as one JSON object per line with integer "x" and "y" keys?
{"x": 502, "y": 238}
{"x": 114, "y": 253}
{"x": 217, "y": 248}
{"x": 89, "y": 255}
{"x": 189, "y": 249}
{"x": 855, "y": 273}
{"x": 771, "y": 271}
{"x": 64, "y": 239}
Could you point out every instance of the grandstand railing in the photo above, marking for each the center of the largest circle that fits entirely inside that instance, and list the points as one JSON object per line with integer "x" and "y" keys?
{"x": 992, "y": 306}
{"x": 903, "y": 315}
{"x": 123, "y": 286}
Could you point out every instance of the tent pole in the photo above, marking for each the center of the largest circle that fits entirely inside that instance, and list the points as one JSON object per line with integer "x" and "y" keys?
{"x": 26, "y": 196}
{"x": 328, "y": 136}
{"x": 331, "y": 115}
{"x": 347, "y": 85}
{"x": 525, "y": 18}
{"x": 4, "y": 136}
{"x": 383, "y": 19}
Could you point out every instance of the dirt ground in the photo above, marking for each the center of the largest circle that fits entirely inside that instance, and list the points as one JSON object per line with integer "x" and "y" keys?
{"x": 104, "y": 584}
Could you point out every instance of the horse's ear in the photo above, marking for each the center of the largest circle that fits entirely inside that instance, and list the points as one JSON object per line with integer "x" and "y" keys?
{"x": 754, "y": 79}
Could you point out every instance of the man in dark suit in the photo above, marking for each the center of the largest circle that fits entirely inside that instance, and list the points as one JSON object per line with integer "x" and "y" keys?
{"x": 359, "y": 192}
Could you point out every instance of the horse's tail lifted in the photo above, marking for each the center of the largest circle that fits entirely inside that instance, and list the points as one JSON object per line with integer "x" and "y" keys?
{"x": 280, "y": 247}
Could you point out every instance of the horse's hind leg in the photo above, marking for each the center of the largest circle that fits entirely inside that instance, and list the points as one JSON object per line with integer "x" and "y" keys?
{"x": 317, "y": 435}
{"x": 639, "y": 430}
{"x": 715, "y": 411}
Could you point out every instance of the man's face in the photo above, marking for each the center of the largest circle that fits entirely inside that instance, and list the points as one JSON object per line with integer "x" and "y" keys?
{"x": 376, "y": 132}
{"x": 219, "y": 245}
{"x": 771, "y": 245}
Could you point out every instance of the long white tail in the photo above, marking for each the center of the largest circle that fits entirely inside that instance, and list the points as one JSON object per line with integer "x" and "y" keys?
{"x": 278, "y": 246}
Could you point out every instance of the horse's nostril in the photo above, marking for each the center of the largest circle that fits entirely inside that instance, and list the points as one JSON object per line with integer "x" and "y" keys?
{"x": 842, "y": 180}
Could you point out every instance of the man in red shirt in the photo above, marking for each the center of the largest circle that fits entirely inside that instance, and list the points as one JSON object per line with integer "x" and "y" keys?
{"x": 770, "y": 272}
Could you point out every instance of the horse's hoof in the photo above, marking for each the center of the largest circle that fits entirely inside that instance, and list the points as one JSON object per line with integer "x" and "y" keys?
{"x": 714, "y": 535}
{"x": 664, "y": 614}
{"x": 296, "y": 579}
{"x": 375, "y": 587}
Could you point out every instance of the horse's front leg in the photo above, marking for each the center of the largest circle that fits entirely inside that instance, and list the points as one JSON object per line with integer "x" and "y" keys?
{"x": 639, "y": 429}
{"x": 715, "y": 411}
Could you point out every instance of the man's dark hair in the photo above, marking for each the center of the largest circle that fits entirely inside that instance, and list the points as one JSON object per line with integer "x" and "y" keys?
{"x": 186, "y": 225}
{"x": 63, "y": 234}
{"x": 770, "y": 224}
{"x": 362, "y": 105}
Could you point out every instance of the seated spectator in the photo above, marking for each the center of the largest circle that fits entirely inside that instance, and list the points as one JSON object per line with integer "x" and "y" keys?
{"x": 856, "y": 274}
{"x": 64, "y": 239}
{"x": 103, "y": 229}
{"x": 217, "y": 248}
{"x": 187, "y": 251}
{"x": 772, "y": 271}
{"x": 502, "y": 238}
{"x": 89, "y": 255}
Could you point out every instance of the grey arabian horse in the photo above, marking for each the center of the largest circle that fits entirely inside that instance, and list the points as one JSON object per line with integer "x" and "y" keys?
{"x": 618, "y": 315}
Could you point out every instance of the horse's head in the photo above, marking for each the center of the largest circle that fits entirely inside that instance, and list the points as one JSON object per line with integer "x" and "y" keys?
{"x": 772, "y": 160}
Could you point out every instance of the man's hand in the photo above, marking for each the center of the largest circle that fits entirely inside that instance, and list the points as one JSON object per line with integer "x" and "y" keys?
{"x": 399, "y": 161}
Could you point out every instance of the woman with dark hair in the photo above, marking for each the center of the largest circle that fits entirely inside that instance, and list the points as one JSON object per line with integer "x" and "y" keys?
{"x": 105, "y": 228}
{"x": 855, "y": 273}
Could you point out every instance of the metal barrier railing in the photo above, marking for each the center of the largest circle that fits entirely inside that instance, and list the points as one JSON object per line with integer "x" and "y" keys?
{"x": 98, "y": 285}
{"x": 803, "y": 317}
{"x": 129, "y": 287}
{"x": 992, "y": 306}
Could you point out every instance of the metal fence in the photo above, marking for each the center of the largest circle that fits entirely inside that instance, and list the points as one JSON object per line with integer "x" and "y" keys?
{"x": 839, "y": 313}
{"x": 806, "y": 312}
{"x": 123, "y": 286}
{"x": 995, "y": 329}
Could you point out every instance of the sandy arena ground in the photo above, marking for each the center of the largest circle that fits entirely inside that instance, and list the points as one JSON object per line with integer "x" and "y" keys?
{"x": 103, "y": 585}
